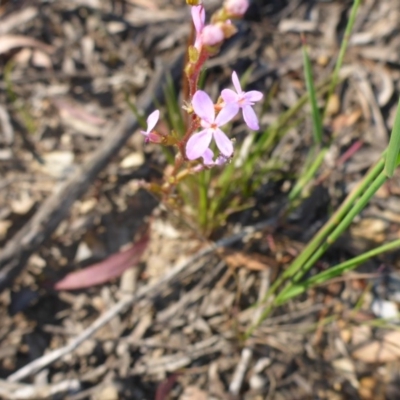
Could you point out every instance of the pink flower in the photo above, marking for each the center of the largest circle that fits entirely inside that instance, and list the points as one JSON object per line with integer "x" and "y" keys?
{"x": 243, "y": 100}
{"x": 199, "y": 142}
{"x": 151, "y": 123}
{"x": 236, "y": 8}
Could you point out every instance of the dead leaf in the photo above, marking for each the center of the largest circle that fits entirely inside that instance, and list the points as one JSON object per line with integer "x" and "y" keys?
{"x": 165, "y": 387}
{"x": 253, "y": 262}
{"x": 41, "y": 59}
{"x": 380, "y": 351}
{"x": 105, "y": 270}
{"x": 10, "y": 42}
{"x": 57, "y": 163}
{"x": 17, "y": 19}
{"x": 193, "y": 393}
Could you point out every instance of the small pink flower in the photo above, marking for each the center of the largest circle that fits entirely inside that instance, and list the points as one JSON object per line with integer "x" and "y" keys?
{"x": 152, "y": 120}
{"x": 236, "y": 8}
{"x": 243, "y": 100}
{"x": 199, "y": 142}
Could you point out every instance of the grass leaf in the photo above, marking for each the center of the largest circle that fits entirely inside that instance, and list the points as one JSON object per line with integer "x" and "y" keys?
{"x": 393, "y": 149}
{"x": 316, "y": 115}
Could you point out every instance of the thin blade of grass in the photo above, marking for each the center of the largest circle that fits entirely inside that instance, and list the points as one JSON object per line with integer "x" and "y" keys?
{"x": 312, "y": 94}
{"x": 309, "y": 173}
{"x": 342, "y": 226}
{"x": 173, "y": 110}
{"x": 141, "y": 119}
{"x": 342, "y": 51}
{"x": 333, "y": 272}
{"x": 393, "y": 149}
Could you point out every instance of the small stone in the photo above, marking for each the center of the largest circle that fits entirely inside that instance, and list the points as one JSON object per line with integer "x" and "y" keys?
{"x": 385, "y": 309}
{"x": 257, "y": 382}
{"x": 109, "y": 392}
{"x": 132, "y": 160}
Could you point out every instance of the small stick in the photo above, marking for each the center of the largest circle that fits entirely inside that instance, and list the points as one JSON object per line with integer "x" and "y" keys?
{"x": 247, "y": 352}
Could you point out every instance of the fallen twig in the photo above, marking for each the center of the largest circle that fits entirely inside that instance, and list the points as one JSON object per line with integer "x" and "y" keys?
{"x": 33, "y": 392}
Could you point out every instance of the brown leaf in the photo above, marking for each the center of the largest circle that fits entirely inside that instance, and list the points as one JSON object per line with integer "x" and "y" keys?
{"x": 105, "y": 270}
{"x": 380, "y": 351}
{"x": 10, "y": 42}
{"x": 253, "y": 262}
{"x": 165, "y": 387}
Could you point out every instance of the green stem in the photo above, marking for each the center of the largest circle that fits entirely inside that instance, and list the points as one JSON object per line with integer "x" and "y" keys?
{"x": 309, "y": 173}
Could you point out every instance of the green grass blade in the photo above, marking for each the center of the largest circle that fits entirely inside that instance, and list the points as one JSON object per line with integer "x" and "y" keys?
{"x": 342, "y": 226}
{"x": 342, "y": 51}
{"x": 309, "y": 173}
{"x": 393, "y": 149}
{"x": 333, "y": 272}
{"x": 174, "y": 112}
{"x": 316, "y": 115}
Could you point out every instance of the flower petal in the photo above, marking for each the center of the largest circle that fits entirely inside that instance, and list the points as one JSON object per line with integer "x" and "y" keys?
{"x": 221, "y": 160}
{"x": 229, "y": 96}
{"x": 236, "y": 82}
{"x": 208, "y": 157}
{"x": 152, "y": 120}
{"x": 250, "y": 118}
{"x": 199, "y": 17}
{"x": 223, "y": 143}
{"x": 203, "y": 106}
{"x": 226, "y": 114}
{"x": 253, "y": 95}
{"x": 198, "y": 144}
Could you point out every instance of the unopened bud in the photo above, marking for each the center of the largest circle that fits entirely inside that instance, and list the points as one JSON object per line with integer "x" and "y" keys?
{"x": 236, "y": 8}
{"x": 212, "y": 35}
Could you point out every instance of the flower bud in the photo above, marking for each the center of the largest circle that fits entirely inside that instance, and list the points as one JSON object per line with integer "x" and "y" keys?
{"x": 212, "y": 35}
{"x": 236, "y": 8}
{"x": 154, "y": 137}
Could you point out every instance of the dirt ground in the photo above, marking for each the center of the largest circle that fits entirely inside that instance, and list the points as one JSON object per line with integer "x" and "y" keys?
{"x": 171, "y": 325}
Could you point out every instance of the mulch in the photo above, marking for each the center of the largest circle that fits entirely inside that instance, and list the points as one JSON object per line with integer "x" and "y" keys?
{"x": 68, "y": 68}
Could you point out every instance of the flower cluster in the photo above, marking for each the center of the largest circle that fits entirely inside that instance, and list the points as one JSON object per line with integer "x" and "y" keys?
{"x": 206, "y": 118}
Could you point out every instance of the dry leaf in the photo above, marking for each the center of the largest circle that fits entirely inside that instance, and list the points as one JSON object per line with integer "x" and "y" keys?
{"x": 57, "y": 163}
{"x": 105, "y": 270}
{"x": 10, "y": 42}
{"x": 380, "y": 351}
{"x": 253, "y": 262}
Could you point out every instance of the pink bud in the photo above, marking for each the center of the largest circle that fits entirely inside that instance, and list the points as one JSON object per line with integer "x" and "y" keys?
{"x": 212, "y": 35}
{"x": 236, "y": 8}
